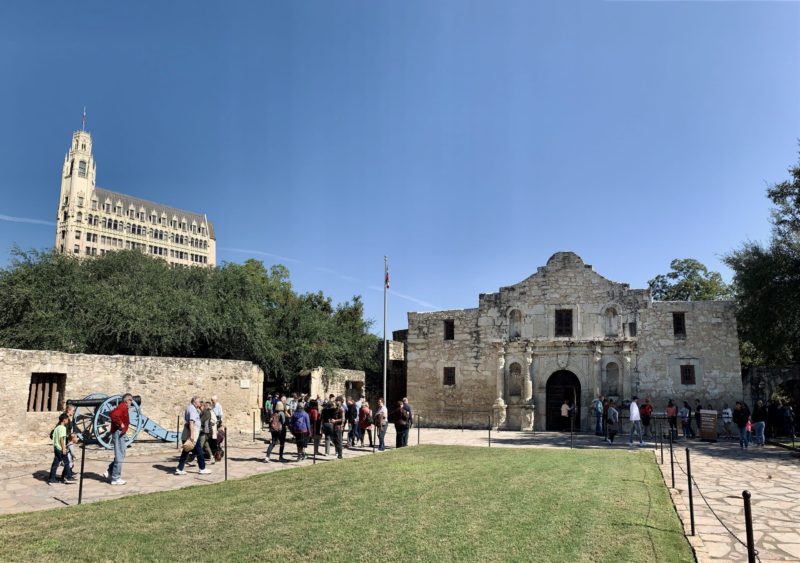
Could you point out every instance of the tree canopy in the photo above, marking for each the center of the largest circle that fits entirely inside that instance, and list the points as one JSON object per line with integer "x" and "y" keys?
{"x": 128, "y": 303}
{"x": 767, "y": 282}
{"x": 689, "y": 280}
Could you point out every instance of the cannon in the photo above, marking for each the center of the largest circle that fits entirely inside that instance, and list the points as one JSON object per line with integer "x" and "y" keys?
{"x": 92, "y": 420}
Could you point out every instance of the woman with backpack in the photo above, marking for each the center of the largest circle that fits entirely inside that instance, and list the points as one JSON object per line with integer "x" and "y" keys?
{"x": 301, "y": 428}
{"x": 277, "y": 431}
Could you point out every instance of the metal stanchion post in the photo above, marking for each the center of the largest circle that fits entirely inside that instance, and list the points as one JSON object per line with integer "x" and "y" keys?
{"x": 373, "y": 438}
{"x": 490, "y": 430}
{"x": 689, "y": 478}
{"x": 661, "y": 431}
{"x": 671, "y": 460}
{"x": 178, "y": 433}
{"x": 462, "y": 421}
{"x": 227, "y": 450}
{"x": 83, "y": 462}
{"x": 748, "y": 522}
{"x": 254, "y": 426}
{"x": 571, "y": 432}
{"x": 418, "y": 428}
{"x": 316, "y": 446}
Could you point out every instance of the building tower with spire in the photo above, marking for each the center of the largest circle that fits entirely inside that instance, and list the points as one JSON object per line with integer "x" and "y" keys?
{"x": 92, "y": 221}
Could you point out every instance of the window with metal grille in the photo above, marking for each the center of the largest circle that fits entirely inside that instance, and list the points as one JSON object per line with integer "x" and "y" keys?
{"x": 449, "y": 376}
{"x": 46, "y": 392}
{"x": 679, "y": 324}
{"x": 449, "y": 329}
{"x": 632, "y": 329}
{"x": 687, "y": 375}
{"x": 563, "y": 322}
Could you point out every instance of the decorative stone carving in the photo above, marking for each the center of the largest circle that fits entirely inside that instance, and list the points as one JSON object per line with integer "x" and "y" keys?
{"x": 499, "y": 412}
{"x": 526, "y": 420}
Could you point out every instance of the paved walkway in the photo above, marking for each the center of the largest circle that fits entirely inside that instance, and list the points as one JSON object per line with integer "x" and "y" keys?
{"x": 720, "y": 470}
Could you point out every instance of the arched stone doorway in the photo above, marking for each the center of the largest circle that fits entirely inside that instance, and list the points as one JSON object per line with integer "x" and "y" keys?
{"x": 562, "y": 385}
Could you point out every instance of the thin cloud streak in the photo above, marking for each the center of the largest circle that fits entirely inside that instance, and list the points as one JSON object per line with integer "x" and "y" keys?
{"x": 26, "y": 220}
{"x": 419, "y": 302}
{"x": 260, "y": 253}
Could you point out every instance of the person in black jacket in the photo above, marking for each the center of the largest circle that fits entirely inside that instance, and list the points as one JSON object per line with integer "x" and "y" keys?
{"x": 759, "y": 418}
{"x": 740, "y": 418}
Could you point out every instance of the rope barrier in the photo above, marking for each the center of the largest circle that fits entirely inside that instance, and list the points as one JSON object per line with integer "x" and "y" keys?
{"x": 705, "y": 500}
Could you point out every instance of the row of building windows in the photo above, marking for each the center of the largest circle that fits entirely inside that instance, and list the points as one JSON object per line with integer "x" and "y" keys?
{"x": 139, "y": 215}
{"x": 563, "y": 325}
{"x": 113, "y": 223}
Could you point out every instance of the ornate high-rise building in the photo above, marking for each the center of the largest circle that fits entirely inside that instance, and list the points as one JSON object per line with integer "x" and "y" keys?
{"x": 92, "y": 220}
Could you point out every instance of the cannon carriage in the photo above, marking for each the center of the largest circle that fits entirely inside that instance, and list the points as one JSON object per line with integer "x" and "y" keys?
{"x": 92, "y": 420}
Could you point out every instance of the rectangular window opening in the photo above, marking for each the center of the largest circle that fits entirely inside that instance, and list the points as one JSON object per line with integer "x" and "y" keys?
{"x": 679, "y": 324}
{"x": 449, "y": 376}
{"x": 449, "y": 329}
{"x": 632, "y": 329}
{"x": 687, "y": 375}
{"x": 46, "y": 392}
{"x": 563, "y": 322}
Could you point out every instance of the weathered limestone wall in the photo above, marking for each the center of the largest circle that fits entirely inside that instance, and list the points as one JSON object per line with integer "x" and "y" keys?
{"x": 348, "y": 383}
{"x": 711, "y": 345}
{"x": 429, "y": 353}
{"x": 506, "y": 351}
{"x": 165, "y": 385}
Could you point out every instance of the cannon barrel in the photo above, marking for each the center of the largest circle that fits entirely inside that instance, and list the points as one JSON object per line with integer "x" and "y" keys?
{"x": 97, "y": 402}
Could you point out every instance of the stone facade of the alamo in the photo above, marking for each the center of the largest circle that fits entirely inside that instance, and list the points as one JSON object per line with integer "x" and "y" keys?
{"x": 568, "y": 333}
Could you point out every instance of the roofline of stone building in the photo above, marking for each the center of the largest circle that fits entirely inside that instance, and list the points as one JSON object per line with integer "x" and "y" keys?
{"x": 159, "y": 208}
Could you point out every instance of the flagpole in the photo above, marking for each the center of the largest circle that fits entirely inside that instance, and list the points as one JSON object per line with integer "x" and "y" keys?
{"x": 385, "y": 288}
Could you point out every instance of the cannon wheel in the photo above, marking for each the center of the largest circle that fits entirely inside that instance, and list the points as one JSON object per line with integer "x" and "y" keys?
{"x": 102, "y": 422}
{"x": 83, "y": 420}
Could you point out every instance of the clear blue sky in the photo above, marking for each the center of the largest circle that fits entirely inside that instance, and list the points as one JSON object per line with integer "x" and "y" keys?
{"x": 466, "y": 140}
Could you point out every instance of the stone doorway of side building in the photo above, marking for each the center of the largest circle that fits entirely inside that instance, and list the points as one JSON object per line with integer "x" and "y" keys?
{"x": 562, "y": 385}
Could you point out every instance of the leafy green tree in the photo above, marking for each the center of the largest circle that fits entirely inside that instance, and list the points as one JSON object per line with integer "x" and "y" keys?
{"x": 128, "y": 303}
{"x": 767, "y": 283}
{"x": 689, "y": 280}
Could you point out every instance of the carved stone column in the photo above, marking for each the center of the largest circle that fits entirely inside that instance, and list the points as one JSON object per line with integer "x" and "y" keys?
{"x": 499, "y": 406}
{"x": 527, "y": 383}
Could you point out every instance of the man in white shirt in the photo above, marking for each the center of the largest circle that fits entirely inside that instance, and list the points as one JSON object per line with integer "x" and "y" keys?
{"x": 636, "y": 421}
{"x": 191, "y": 431}
{"x": 217, "y": 410}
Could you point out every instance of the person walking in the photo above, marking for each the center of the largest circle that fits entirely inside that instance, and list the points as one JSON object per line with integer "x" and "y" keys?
{"x": 741, "y": 418}
{"x": 597, "y": 409}
{"x": 612, "y": 422}
{"x": 564, "y": 416}
{"x": 352, "y": 421}
{"x": 301, "y": 428}
{"x": 277, "y": 431}
{"x": 671, "y": 412}
{"x": 636, "y": 421}
{"x": 400, "y": 419}
{"x": 338, "y": 425}
{"x": 685, "y": 415}
{"x": 120, "y": 421}
{"x": 365, "y": 423}
{"x": 217, "y": 409}
{"x": 191, "y": 437}
{"x": 759, "y": 420}
{"x": 381, "y": 424}
{"x": 60, "y": 452}
{"x": 646, "y": 411}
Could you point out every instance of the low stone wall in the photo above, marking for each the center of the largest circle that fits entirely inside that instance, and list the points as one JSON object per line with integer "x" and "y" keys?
{"x": 164, "y": 384}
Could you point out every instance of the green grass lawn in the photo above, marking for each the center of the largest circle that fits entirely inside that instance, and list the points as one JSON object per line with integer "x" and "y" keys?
{"x": 426, "y": 503}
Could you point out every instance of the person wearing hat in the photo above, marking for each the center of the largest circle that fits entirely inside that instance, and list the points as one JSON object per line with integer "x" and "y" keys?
{"x": 191, "y": 437}
{"x": 277, "y": 431}
{"x": 636, "y": 421}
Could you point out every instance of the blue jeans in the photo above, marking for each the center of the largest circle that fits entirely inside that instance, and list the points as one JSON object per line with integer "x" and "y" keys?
{"x": 277, "y": 438}
{"x": 744, "y": 439}
{"x": 198, "y": 454}
{"x": 636, "y": 427}
{"x": 382, "y": 437}
{"x": 758, "y": 428}
{"x": 59, "y": 457}
{"x": 115, "y": 467}
{"x": 598, "y": 427}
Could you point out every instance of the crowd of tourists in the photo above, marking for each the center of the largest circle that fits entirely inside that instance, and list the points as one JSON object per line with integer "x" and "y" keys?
{"x": 773, "y": 419}
{"x": 334, "y": 422}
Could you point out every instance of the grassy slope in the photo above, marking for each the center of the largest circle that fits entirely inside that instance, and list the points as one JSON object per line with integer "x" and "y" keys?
{"x": 427, "y": 503}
